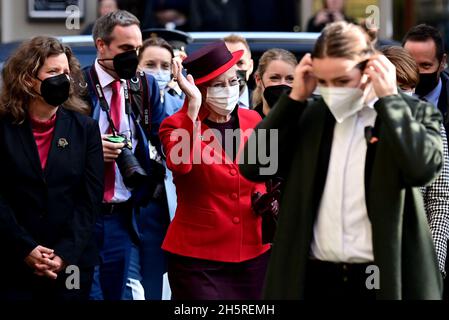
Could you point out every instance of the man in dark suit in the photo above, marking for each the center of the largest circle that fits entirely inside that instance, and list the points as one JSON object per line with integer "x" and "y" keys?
{"x": 122, "y": 109}
{"x": 426, "y": 45}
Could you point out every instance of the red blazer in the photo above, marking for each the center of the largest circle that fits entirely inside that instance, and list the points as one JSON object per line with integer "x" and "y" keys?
{"x": 214, "y": 219}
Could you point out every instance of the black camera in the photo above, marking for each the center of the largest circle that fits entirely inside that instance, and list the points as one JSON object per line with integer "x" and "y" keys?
{"x": 133, "y": 174}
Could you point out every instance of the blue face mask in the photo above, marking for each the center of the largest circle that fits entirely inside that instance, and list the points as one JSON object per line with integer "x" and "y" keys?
{"x": 162, "y": 77}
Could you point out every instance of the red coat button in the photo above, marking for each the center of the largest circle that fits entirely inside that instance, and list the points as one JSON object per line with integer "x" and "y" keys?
{"x": 233, "y": 172}
{"x": 234, "y": 196}
{"x": 236, "y": 220}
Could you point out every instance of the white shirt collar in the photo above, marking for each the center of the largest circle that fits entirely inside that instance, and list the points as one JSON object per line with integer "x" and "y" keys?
{"x": 244, "y": 98}
{"x": 104, "y": 77}
{"x": 371, "y": 103}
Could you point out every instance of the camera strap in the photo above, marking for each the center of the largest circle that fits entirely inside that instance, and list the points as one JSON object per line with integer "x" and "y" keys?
{"x": 102, "y": 99}
{"x": 139, "y": 98}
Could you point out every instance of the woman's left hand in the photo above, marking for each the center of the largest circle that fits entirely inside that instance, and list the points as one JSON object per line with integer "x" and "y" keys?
{"x": 383, "y": 76}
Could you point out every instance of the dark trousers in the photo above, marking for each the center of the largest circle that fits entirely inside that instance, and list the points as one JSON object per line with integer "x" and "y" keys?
{"x": 197, "y": 279}
{"x": 337, "y": 281}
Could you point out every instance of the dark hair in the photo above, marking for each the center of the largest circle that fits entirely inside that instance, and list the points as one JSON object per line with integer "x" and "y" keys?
{"x": 155, "y": 42}
{"x": 104, "y": 26}
{"x": 423, "y": 33}
{"x": 407, "y": 72}
{"x": 23, "y": 66}
{"x": 343, "y": 40}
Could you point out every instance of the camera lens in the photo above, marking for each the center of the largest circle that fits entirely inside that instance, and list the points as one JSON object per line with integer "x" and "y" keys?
{"x": 133, "y": 174}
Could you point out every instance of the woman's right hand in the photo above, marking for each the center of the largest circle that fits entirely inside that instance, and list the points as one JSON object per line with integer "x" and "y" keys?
{"x": 304, "y": 82}
{"x": 188, "y": 86}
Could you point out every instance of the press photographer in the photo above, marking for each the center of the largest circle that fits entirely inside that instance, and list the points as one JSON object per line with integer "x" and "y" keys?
{"x": 128, "y": 110}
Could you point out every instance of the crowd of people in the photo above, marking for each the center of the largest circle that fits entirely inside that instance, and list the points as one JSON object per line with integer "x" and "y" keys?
{"x": 146, "y": 172}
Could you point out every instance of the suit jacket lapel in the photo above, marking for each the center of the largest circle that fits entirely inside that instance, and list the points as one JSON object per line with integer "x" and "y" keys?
{"x": 29, "y": 145}
{"x": 244, "y": 125}
{"x": 324, "y": 155}
{"x": 59, "y": 139}
{"x": 370, "y": 155}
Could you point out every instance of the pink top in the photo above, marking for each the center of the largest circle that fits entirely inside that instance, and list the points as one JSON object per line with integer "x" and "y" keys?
{"x": 43, "y": 134}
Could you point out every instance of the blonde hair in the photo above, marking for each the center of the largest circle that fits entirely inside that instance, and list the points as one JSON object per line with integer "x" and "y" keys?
{"x": 343, "y": 40}
{"x": 267, "y": 57}
{"x": 23, "y": 66}
{"x": 234, "y": 38}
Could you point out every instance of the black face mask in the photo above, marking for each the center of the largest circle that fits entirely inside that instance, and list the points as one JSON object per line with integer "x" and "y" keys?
{"x": 241, "y": 75}
{"x": 427, "y": 82}
{"x": 55, "y": 90}
{"x": 125, "y": 64}
{"x": 273, "y": 93}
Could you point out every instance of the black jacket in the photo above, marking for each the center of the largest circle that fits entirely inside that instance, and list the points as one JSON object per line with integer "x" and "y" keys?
{"x": 55, "y": 207}
{"x": 443, "y": 101}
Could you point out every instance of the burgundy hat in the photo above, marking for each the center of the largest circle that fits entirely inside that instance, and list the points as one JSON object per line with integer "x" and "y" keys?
{"x": 210, "y": 61}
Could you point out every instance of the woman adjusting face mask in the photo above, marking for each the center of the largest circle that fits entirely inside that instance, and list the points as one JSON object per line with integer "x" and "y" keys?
{"x": 343, "y": 102}
{"x": 343, "y": 86}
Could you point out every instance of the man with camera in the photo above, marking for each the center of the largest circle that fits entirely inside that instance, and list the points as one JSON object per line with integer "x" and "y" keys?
{"x": 127, "y": 107}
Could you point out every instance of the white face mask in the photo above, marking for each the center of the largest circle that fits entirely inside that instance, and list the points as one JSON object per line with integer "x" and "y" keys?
{"x": 342, "y": 102}
{"x": 223, "y": 100}
{"x": 162, "y": 77}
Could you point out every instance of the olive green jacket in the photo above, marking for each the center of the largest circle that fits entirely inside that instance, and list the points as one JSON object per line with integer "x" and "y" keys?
{"x": 406, "y": 152}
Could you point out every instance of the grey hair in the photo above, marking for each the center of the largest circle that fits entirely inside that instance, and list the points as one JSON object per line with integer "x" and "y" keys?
{"x": 104, "y": 25}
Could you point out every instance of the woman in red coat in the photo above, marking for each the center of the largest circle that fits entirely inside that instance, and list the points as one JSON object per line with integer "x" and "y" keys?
{"x": 214, "y": 242}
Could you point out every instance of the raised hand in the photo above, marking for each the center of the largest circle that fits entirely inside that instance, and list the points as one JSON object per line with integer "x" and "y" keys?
{"x": 188, "y": 86}
{"x": 383, "y": 76}
{"x": 305, "y": 82}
